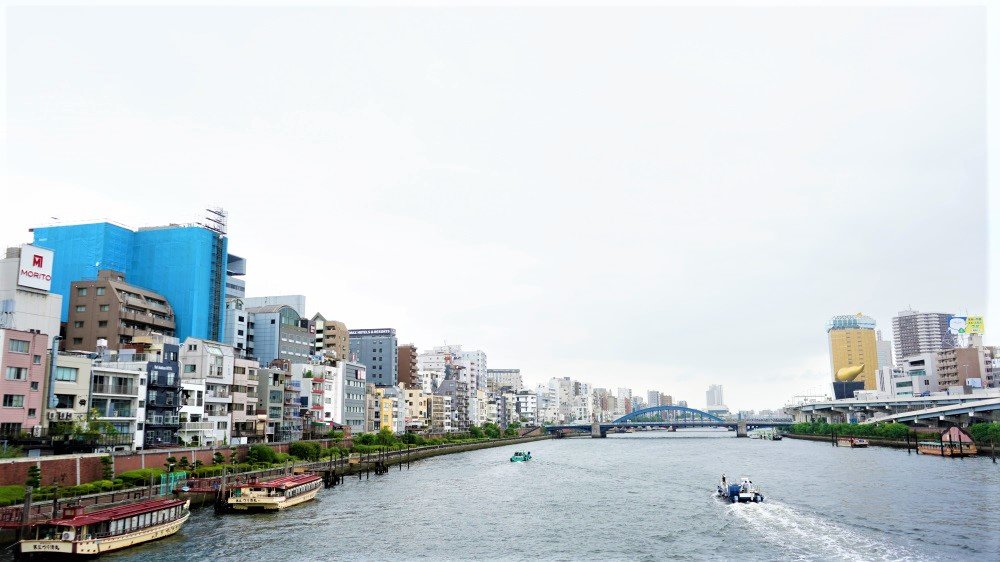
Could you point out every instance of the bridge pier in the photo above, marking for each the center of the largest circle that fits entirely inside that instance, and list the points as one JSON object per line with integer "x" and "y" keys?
{"x": 596, "y": 432}
{"x": 741, "y": 428}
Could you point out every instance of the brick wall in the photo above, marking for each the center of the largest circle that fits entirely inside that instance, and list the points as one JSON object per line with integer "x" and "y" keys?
{"x": 65, "y": 470}
{"x": 62, "y": 469}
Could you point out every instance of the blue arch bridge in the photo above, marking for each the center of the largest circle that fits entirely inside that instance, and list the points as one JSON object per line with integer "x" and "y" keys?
{"x": 676, "y": 417}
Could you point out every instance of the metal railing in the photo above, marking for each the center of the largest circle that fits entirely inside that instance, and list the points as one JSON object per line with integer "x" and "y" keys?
{"x": 197, "y": 426}
{"x": 129, "y": 390}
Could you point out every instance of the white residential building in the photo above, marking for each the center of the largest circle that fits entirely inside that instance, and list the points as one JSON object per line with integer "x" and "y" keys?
{"x": 211, "y": 363}
{"x": 119, "y": 396}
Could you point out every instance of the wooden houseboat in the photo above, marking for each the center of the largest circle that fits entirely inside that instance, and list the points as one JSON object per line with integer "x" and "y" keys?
{"x": 90, "y": 534}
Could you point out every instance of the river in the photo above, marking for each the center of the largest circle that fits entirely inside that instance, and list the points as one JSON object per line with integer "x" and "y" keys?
{"x": 640, "y": 496}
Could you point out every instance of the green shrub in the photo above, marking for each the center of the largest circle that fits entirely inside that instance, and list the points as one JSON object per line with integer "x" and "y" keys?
{"x": 140, "y": 477}
{"x": 365, "y": 439}
{"x": 261, "y": 454}
{"x": 305, "y": 450}
{"x": 11, "y": 494}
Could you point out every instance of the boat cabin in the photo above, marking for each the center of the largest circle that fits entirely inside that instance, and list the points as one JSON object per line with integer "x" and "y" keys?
{"x": 76, "y": 525}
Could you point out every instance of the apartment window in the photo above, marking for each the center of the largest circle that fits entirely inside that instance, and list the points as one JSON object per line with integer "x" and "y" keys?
{"x": 102, "y": 323}
{"x": 99, "y": 291}
{"x": 81, "y": 292}
{"x": 16, "y": 373}
{"x": 66, "y": 374}
{"x": 32, "y": 412}
{"x": 36, "y": 359}
{"x": 77, "y": 341}
{"x": 78, "y": 324}
{"x": 34, "y": 385}
{"x": 81, "y": 308}
{"x": 8, "y": 428}
{"x": 105, "y": 308}
{"x": 65, "y": 400}
{"x": 18, "y": 346}
{"x": 190, "y": 368}
{"x": 13, "y": 400}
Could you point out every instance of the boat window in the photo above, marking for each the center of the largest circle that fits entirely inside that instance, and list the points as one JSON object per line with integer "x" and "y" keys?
{"x": 133, "y": 523}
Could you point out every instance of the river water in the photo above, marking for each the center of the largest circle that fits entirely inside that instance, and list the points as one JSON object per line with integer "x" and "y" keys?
{"x": 640, "y": 496}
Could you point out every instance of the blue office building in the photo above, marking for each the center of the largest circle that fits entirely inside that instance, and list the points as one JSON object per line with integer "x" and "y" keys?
{"x": 184, "y": 263}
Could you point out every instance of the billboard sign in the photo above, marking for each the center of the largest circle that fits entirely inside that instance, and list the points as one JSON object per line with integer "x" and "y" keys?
{"x": 974, "y": 383}
{"x": 957, "y": 324}
{"x": 974, "y": 325}
{"x": 35, "y": 269}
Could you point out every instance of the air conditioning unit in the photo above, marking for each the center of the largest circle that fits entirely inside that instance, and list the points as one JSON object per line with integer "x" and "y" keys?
{"x": 53, "y": 416}
{"x": 65, "y": 415}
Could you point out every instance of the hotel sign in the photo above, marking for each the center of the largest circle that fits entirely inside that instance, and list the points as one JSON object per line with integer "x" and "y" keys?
{"x": 379, "y": 332}
{"x": 35, "y": 269}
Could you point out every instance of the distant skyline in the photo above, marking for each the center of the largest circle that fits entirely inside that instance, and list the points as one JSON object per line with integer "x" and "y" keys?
{"x": 654, "y": 198}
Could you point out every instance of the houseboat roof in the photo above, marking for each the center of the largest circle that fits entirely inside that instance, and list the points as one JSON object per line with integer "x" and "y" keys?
{"x": 116, "y": 512}
{"x": 287, "y": 481}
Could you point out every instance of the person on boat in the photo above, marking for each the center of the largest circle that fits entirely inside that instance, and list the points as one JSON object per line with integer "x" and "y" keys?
{"x": 723, "y": 479}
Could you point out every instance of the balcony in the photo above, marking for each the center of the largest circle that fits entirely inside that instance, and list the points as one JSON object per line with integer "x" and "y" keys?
{"x": 162, "y": 420}
{"x": 218, "y": 394}
{"x": 197, "y": 426}
{"x": 123, "y": 390}
{"x": 119, "y": 413}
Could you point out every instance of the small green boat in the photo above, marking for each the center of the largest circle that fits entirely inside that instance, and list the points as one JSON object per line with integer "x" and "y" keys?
{"x": 520, "y": 456}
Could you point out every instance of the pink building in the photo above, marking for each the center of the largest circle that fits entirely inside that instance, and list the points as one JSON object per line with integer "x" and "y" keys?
{"x": 22, "y": 380}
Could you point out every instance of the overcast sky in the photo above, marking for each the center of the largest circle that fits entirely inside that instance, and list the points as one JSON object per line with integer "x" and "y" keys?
{"x": 653, "y": 198}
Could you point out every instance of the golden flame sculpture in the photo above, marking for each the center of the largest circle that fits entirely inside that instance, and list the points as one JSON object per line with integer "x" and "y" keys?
{"x": 848, "y": 374}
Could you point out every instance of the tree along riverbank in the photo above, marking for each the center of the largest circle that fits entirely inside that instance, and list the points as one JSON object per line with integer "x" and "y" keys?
{"x": 983, "y": 449}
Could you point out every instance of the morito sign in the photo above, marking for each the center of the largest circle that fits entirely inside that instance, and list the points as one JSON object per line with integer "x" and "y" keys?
{"x": 35, "y": 269}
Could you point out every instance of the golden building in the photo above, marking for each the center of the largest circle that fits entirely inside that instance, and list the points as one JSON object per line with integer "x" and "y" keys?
{"x": 853, "y": 344}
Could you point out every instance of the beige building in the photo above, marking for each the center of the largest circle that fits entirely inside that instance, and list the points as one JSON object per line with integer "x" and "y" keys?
{"x": 246, "y": 427}
{"x": 110, "y": 309}
{"x": 955, "y": 366}
{"x": 416, "y": 409}
{"x": 332, "y": 336}
{"x": 72, "y": 390}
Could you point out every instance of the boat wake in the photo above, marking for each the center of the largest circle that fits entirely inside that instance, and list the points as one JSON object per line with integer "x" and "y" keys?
{"x": 808, "y": 537}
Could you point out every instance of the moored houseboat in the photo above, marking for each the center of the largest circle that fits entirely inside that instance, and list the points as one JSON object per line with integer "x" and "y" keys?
{"x": 272, "y": 495}
{"x": 106, "y": 530}
{"x": 953, "y": 443}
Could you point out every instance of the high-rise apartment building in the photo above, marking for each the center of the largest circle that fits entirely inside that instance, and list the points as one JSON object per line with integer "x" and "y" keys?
{"x": 853, "y": 343}
{"x": 376, "y": 349}
{"x": 917, "y": 332}
{"x": 406, "y": 368}
{"x": 653, "y": 398}
{"x": 713, "y": 396}
{"x": 186, "y": 264}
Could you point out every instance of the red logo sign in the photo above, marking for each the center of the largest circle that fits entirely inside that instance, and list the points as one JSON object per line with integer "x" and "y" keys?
{"x": 36, "y": 261}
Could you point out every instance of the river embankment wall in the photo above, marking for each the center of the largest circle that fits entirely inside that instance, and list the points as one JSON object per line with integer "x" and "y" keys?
{"x": 983, "y": 450}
